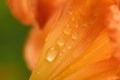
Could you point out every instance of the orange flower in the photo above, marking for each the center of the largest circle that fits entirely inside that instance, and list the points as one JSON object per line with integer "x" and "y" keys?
{"x": 76, "y": 39}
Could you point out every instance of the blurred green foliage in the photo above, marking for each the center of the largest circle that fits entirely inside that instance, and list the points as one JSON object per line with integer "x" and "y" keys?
{"x": 12, "y": 39}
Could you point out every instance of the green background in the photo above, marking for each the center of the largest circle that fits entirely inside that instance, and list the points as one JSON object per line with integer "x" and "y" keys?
{"x": 12, "y": 38}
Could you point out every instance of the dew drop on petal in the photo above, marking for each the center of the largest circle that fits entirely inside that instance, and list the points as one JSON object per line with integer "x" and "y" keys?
{"x": 52, "y": 54}
{"x": 67, "y": 30}
{"x": 75, "y": 35}
{"x": 61, "y": 41}
{"x": 69, "y": 46}
{"x": 85, "y": 25}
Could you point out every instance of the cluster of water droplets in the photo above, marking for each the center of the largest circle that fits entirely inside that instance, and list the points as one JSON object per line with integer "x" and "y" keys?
{"x": 61, "y": 41}
{"x": 69, "y": 31}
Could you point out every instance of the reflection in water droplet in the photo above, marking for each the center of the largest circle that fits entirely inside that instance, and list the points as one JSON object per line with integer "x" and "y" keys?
{"x": 75, "y": 35}
{"x": 67, "y": 30}
{"x": 61, "y": 41}
{"x": 51, "y": 54}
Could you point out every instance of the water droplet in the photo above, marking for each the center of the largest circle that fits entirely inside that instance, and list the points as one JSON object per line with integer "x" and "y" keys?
{"x": 85, "y": 25}
{"x": 52, "y": 54}
{"x": 67, "y": 30}
{"x": 69, "y": 45}
{"x": 61, "y": 41}
{"x": 75, "y": 35}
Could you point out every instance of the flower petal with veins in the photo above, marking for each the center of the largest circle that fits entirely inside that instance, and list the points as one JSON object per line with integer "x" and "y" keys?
{"x": 79, "y": 41}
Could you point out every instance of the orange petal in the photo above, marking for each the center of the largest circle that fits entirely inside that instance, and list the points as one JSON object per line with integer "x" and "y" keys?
{"x": 30, "y": 11}
{"x": 114, "y": 28}
{"x": 78, "y": 40}
{"x": 44, "y": 9}
{"x": 74, "y": 45}
{"x": 35, "y": 42}
{"x": 33, "y": 47}
{"x": 21, "y": 11}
